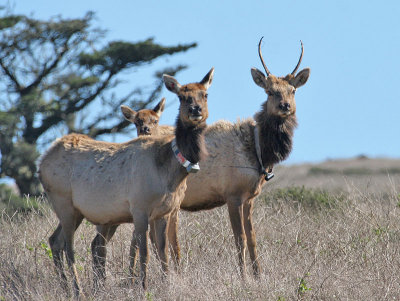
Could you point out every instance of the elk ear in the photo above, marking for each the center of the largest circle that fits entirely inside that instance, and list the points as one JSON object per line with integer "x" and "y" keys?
{"x": 259, "y": 78}
{"x": 159, "y": 108}
{"x": 301, "y": 78}
{"x": 171, "y": 83}
{"x": 128, "y": 113}
{"x": 207, "y": 80}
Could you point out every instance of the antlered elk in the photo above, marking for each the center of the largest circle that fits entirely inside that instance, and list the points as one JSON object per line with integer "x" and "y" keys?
{"x": 233, "y": 173}
{"x": 111, "y": 183}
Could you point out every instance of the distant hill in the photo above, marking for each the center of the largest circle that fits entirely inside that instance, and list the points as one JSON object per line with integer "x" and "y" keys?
{"x": 380, "y": 175}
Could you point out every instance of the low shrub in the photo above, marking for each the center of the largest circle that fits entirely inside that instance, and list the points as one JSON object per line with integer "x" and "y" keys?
{"x": 11, "y": 203}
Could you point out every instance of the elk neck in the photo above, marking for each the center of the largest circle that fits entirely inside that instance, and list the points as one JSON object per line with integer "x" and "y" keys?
{"x": 276, "y": 136}
{"x": 190, "y": 141}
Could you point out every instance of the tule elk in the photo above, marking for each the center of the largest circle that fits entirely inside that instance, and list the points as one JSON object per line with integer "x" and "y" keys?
{"x": 139, "y": 181}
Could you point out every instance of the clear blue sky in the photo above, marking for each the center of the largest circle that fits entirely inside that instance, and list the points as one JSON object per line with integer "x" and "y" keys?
{"x": 349, "y": 106}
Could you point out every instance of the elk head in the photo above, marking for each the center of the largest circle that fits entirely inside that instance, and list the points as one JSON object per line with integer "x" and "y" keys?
{"x": 146, "y": 121}
{"x": 193, "y": 108}
{"x": 280, "y": 90}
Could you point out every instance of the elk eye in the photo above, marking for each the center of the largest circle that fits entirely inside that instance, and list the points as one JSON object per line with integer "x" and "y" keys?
{"x": 190, "y": 100}
{"x": 275, "y": 94}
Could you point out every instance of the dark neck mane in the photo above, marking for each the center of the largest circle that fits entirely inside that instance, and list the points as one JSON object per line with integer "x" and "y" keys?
{"x": 276, "y": 135}
{"x": 190, "y": 141}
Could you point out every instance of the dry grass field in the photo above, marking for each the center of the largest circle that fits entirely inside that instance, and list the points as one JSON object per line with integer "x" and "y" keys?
{"x": 328, "y": 231}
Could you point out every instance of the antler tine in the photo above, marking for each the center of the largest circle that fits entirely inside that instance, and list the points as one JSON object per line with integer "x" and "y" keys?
{"x": 301, "y": 57}
{"x": 261, "y": 58}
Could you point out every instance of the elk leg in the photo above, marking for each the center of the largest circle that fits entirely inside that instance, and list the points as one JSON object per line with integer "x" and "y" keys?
{"x": 56, "y": 242}
{"x": 133, "y": 254}
{"x": 133, "y": 259}
{"x": 251, "y": 236}
{"x": 69, "y": 225}
{"x": 153, "y": 237}
{"x": 161, "y": 225}
{"x": 235, "y": 208}
{"x": 99, "y": 253}
{"x": 173, "y": 237}
{"x": 139, "y": 241}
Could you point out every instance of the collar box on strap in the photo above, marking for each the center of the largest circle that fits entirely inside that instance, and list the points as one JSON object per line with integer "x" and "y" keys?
{"x": 190, "y": 167}
{"x": 193, "y": 168}
{"x": 269, "y": 176}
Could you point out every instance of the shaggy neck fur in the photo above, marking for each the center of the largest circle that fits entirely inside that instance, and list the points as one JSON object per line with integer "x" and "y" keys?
{"x": 276, "y": 135}
{"x": 190, "y": 141}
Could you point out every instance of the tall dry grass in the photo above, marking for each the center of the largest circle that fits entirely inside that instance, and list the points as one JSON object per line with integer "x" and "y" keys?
{"x": 340, "y": 247}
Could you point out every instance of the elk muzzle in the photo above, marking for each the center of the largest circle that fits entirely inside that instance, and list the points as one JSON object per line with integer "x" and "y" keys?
{"x": 145, "y": 130}
{"x": 195, "y": 113}
{"x": 285, "y": 107}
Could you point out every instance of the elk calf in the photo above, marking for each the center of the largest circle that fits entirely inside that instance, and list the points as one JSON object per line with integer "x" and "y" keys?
{"x": 139, "y": 181}
{"x": 146, "y": 121}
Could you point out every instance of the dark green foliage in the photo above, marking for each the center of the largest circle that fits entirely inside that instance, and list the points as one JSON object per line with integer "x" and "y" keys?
{"x": 52, "y": 74}
{"x": 118, "y": 55}
{"x": 20, "y": 165}
{"x": 11, "y": 202}
{"x": 10, "y": 21}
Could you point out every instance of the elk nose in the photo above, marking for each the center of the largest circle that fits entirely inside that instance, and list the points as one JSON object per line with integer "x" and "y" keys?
{"x": 146, "y": 130}
{"x": 284, "y": 106}
{"x": 195, "y": 110}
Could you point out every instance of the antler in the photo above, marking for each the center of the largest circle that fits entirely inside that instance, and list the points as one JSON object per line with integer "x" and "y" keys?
{"x": 301, "y": 57}
{"x": 261, "y": 58}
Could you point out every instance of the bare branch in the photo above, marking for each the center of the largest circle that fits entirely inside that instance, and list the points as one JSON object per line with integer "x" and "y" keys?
{"x": 45, "y": 71}
{"x": 10, "y": 75}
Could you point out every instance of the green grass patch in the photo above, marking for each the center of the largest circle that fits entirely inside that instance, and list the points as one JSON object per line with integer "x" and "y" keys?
{"x": 391, "y": 171}
{"x": 322, "y": 171}
{"x": 303, "y": 286}
{"x": 307, "y": 197}
{"x": 352, "y": 171}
